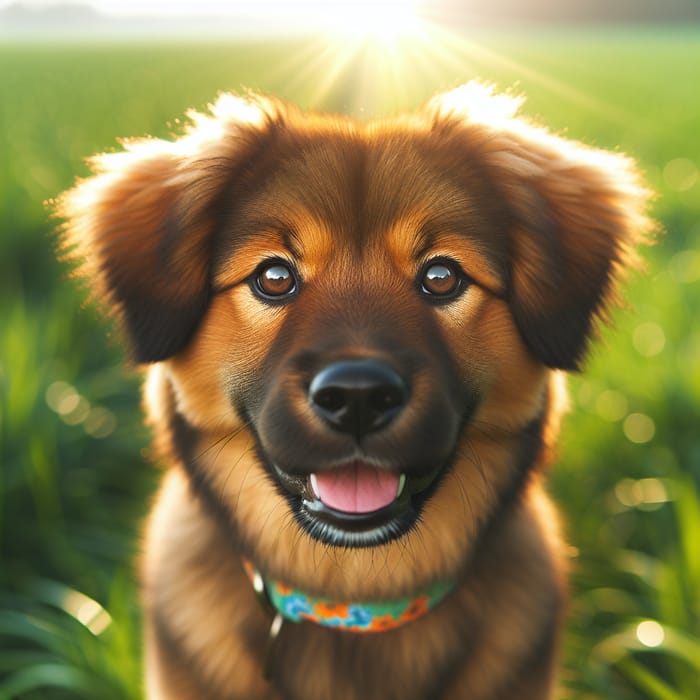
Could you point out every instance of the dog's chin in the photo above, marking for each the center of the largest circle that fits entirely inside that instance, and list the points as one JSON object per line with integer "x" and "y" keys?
{"x": 346, "y": 522}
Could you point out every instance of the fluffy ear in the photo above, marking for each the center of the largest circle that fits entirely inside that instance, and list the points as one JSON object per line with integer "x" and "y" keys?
{"x": 142, "y": 225}
{"x": 576, "y": 217}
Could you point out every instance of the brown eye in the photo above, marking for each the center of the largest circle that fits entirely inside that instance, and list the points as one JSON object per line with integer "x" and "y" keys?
{"x": 442, "y": 279}
{"x": 275, "y": 280}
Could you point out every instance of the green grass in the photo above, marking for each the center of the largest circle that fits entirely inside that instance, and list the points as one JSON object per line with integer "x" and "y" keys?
{"x": 75, "y": 480}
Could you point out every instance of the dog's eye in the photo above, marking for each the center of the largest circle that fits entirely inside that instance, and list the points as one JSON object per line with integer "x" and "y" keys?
{"x": 275, "y": 280}
{"x": 441, "y": 279}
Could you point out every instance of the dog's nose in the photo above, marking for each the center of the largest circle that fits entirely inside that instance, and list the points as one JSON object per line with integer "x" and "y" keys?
{"x": 358, "y": 396}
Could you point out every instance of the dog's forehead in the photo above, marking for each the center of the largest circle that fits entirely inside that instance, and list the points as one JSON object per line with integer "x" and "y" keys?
{"x": 366, "y": 182}
{"x": 353, "y": 191}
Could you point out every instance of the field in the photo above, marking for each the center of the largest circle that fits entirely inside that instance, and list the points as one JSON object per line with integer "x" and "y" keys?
{"x": 75, "y": 476}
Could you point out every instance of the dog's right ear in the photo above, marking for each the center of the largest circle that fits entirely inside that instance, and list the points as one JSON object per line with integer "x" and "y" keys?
{"x": 142, "y": 225}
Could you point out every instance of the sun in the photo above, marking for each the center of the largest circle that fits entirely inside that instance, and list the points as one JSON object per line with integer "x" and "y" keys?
{"x": 382, "y": 20}
{"x": 363, "y": 57}
{"x": 385, "y": 22}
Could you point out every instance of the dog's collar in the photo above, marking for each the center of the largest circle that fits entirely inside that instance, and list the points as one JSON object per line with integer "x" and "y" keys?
{"x": 375, "y": 616}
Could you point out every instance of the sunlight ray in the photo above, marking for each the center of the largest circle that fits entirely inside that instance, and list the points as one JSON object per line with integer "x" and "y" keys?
{"x": 456, "y": 47}
{"x": 301, "y": 70}
{"x": 393, "y": 75}
{"x": 331, "y": 76}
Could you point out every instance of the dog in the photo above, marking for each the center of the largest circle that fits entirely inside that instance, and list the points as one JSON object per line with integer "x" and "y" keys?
{"x": 355, "y": 336}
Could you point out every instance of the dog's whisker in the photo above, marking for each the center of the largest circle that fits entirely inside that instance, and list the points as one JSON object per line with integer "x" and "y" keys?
{"x": 232, "y": 468}
{"x": 471, "y": 455}
{"x": 467, "y": 508}
{"x": 221, "y": 442}
{"x": 264, "y": 524}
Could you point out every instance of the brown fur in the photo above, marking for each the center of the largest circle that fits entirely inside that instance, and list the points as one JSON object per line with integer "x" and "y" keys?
{"x": 170, "y": 232}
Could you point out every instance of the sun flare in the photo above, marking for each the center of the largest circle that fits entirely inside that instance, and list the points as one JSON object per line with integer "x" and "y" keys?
{"x": 361, "y": 57}
{"x": 384, "y": 22}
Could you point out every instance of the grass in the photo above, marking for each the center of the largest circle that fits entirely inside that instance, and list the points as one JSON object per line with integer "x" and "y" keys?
{"x": 75, "y": 480}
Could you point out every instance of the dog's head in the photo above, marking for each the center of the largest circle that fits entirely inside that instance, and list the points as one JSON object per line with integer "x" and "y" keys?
{"x": 369, "y": 312}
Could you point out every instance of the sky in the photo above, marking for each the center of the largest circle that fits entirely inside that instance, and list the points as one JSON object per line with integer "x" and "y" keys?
{"x": 381, "y": 16}
{"x": 384, "y": 19}
{"x": 222, "y": 7}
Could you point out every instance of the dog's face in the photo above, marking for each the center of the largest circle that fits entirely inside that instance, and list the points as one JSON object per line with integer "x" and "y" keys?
{"x": 359, "y": 322}
{"x": 367, "y": 279}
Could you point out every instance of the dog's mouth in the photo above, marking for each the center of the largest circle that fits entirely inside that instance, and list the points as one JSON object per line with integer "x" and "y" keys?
{"x": 357, "y": 488}
{"x": 357, "y": 504}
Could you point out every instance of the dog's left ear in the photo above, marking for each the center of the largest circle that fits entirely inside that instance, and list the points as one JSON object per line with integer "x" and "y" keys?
{"x": 575, "y": 215}
{"x": 142, "y": 225}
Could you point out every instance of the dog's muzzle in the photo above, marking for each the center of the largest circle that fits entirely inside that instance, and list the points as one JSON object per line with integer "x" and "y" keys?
{"x": 361, "y": 501}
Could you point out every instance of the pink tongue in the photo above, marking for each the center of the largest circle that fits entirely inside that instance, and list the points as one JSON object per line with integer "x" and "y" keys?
{"x": 357, "y": 488}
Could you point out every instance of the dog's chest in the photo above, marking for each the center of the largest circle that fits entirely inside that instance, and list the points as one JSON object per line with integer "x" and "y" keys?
{"x": 312, "y": 663}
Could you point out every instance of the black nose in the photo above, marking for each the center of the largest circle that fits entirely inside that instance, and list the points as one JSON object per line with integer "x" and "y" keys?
{"x": 358, "y": 396}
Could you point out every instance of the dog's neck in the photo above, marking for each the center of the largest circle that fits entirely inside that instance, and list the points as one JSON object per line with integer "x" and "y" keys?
{"x": 376, "y": 616}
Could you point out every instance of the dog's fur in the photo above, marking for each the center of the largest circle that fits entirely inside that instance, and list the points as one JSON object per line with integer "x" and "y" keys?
{"x": 170, "y": 234}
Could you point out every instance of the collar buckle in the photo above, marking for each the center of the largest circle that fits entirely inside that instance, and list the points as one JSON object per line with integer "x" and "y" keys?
{"x": 261, "y": 592}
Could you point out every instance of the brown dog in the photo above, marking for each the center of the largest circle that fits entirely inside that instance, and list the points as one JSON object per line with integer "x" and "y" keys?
{"x": 356, "y": 333}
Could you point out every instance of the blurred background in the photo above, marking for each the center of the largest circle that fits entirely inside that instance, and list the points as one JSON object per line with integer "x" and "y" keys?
{"x": 75, "y": 474}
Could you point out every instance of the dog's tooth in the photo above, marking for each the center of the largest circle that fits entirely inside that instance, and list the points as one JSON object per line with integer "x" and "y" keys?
{"x": 402, "y": 484}
{"x": 314, "y": 486}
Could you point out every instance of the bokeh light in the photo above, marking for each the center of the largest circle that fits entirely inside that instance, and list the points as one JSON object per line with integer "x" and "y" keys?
{"x": 680, "y": 174}
{"x": 647, "y": 494}
{"x": 86, "y": 611}
{"x": 650, "y": 633}
{"x": 649, "y": 339}
{"x": 611, "y": 405}
{"x": 74, "y": 409}
{"x": 639, "y": 428}
{"x": 686, "y": 266}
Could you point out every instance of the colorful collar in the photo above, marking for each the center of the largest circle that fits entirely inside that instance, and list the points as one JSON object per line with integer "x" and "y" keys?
{"x": 296, "y": 606}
